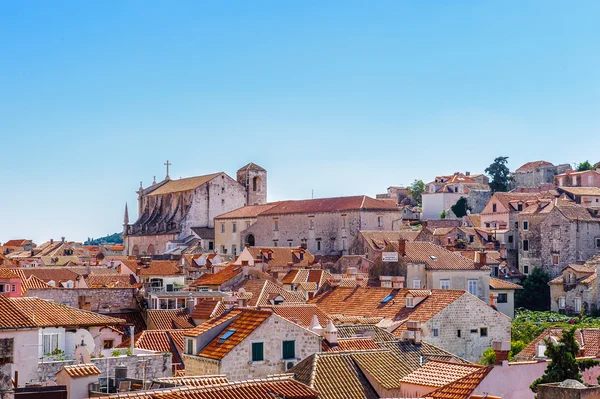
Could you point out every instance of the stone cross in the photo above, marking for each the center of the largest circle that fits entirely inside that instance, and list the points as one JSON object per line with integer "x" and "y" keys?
{"x": 167, "y": 164}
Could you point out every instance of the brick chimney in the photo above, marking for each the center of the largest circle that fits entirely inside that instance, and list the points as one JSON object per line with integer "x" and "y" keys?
{"x": 501, "y": 349}
{"x": 414, "y": 330}
{"x": 397, "y": 282}
{"x": 335, "y": 281}
{"x": 402, "y": 247}
{"x": 303, "y": 245}
{"x": 190, "y": 304}
{"x": 493, "y": 299}
{"x": 481, "y": 258}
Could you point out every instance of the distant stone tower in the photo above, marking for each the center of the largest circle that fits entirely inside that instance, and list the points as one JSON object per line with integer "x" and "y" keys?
{"x": 254, "y": 179}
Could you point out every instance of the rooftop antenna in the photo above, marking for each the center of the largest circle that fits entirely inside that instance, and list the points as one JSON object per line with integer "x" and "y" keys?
{"x": 312, "y": 194}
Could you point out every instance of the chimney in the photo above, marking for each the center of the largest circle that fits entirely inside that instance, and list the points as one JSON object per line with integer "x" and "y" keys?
{"x": 131, "y": 338}
{"x": 351, "y": 272}
{"x": 414, "y": 327}
{"x": 402, "y": 247}
{"x": 316, "y": 326}
{"x": 190, "y": 303}
{"x": 467, "y": 173}
{"x": 138, "y": 271}
{"x": 335, "y": 281}
{"x": 501, "y": 350}
{"x": 397, "y": 282}
{"x": 493, "y": 299}
{"x": 303, "y": 245}
{"x": 62, "y": 239}
{"x": 480, "y": 258}
{"x": 52, "y": 241}
{"x": 331, "y": 333}
{"x": 385, "y": 281}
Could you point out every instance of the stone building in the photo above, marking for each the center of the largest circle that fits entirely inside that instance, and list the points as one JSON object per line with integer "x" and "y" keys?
{"x": 586, "y": 196}
{"x": 536, "y": 174}
{"x": 326, "y": 226}
{"x": 573, "y": 178}
{"x": 173, "y": 210}
{"x": 554, "y": 234}
{"x": 246, "y": 344}
{"x": 575, "y": 290}
{"x": 445, "y": 191}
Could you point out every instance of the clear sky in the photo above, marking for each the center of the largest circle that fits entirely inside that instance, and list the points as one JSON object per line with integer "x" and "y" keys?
{"x": 339, "y": 97}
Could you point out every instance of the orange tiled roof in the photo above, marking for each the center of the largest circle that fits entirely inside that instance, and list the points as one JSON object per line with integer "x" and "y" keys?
{"x": 249, "y": 211}
{"x": 212, "y": 323}
{"x": 532, "y": 165}
{"x": 326, "y": 205}
{"x": 207, "y": 308}
{"x": 218, "y": 278}
{"x": 282, "y": 256}
{"x": 47, "y": 274}
{"x": 196, "y": 380}
{"x": 350, "y": 344}
{"x": 461, "y": 388}
{"x": 16, "y": 243}
{"x": 110, "y": 281}
{"x": 497, "y": 284}
{"x": 52, "y": 314}
{"x": 131, "y": 318}
{"x": 81, "y": 370}
{"x": 263, "y": 293}
{"x": 180, "y": 185}
{"x": 243, "y": 325}
{"x": 587, "y": 338}
{"x": 6, "y": 273}
{"x": 437, "y": 373}
{"x": 301, "y": 314}
{"x": 159, "y": 268}
{"x": 11, "y": 317}
{"x": 167, "y": 319}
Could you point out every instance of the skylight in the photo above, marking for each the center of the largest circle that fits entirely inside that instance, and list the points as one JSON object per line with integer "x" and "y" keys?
{"x": 387, "y": 299}
{"x": 432, "y": 257}
{"x": 224, "y": 337}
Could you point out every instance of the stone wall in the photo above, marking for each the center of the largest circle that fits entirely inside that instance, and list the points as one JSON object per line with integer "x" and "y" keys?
{"x": 538, "y": 176}
{"x": 465, "y": 314}
{"x": 477, "y": 199}
{"x": 103, "y": 300}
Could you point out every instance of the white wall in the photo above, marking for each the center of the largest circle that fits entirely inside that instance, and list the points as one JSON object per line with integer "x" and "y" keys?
{"x": 25, "y": 356}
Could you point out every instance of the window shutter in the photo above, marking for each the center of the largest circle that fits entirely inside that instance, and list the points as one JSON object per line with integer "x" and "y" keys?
{"x": 257, "y": 351}
{"x": 289, "y": 349}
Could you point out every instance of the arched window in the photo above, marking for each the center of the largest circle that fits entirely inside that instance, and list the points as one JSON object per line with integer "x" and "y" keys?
{"x": 255, "y": 183}
{"x": 135, "y": 251}
{"x": 151, "y": 250}
{"x": 250, "y": 240}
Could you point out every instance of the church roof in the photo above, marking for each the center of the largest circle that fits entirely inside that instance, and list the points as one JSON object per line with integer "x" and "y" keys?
{"x": 252, "y": 166}
{"x": 186, "y": 184}
{"x": 324, "y": 205}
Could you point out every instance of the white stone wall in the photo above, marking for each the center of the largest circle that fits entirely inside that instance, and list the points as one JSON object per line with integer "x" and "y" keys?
{"x": 465, "y": 314}
{"x": 459, "y": 280}
{"x": 229, "y": 238}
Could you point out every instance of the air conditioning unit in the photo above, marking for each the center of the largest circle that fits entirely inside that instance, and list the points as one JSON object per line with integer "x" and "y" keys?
{"x": 288, "y": 364}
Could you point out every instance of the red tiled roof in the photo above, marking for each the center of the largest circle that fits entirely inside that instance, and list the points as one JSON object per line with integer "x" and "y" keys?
{"x": 437, "y": 373}
{"x": 15, "y": 243}
{"x": 131, "y": 318}
{"x": 110, "y": 281}
{"x": 47, "y": 274}
{"x": 249, "y": 211}
{"x": 461, "y": 388}
{"x": 282, "y": 256}
{"x": 158, "y": 268}
{"x": 325, "y": 205}
{"x": 587, "y": 338}
{"x": 11, "y": 317}
{"x": 52, "y": 314}
{"x": 301, "y": 314}
{"x": 196, "y": 380}
{"x": 243, "y": 325}
{"x": 6, "y": 273}
{"x": 218, "y": 278}
{"x": 207, "y": 308}
{"x": 497, "y": 284}
{"x": 263, "y": 292}
{"x": 532, "y": 165}
{"x": 350, "y": 344}
{"x": 186, "y": 184}
{"x": 212, "y": 323}
{"x": 167, "y": 319}
{"x": 81, "y": 370}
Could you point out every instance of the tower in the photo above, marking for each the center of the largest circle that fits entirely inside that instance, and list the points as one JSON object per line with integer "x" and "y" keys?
{"x": 254, "y": 180}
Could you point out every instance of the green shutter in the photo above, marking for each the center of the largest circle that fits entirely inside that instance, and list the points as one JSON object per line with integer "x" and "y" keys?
{"x": 257, "y": 352}
{"x": 289, "y": 349}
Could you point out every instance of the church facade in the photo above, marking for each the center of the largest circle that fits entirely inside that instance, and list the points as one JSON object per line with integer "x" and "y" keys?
{"x": 177, "y": 210}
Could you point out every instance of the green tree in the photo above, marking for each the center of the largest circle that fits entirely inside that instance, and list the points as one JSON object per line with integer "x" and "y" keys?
{"x": 488, "y": 357}
{"x": 443, "y": 215}
{"x": 416, "y": 190}
{"x": 460, "y": 208}
{"x": 563, "y": 362}
{"x": 535, "y": 294}
{"x": 585, "y": 165}
{"x": 499, "y": 174}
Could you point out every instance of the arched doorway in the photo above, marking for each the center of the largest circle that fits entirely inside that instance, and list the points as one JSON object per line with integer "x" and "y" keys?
{"x": 250, "y": 240}
{"x": 256, "y": 183}
{"x": 151, "y": 250}
{"x": 135, "y": 251}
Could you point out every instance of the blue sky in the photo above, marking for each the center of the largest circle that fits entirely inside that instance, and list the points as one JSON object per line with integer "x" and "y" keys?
{"x": 339, "y": 97}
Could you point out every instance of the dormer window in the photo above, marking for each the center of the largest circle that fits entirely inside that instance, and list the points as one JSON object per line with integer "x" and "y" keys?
{"x": 494, "y": 208}
{"x": 409, "y": 302}
{"x": 520, "y": 207}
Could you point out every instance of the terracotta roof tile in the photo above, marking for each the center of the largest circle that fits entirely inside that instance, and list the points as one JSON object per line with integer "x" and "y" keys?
{"x": 81, "y": 370}
{"x": 47, "y": 274}
{"x": 110, "y": 281}
{"x": 52, "y": 314}
{"x": 282, "y": 256}
{"x": 187, "y": 184}
{"x": 212, "y": 323}
{"x": 6, "y": 273}
{"x": 461, "y": 388}
{"x": 218, "y": 278}
{"x": 587, "y": 338}
{"x": 131, "y": 318}
{"x": 159, "y": 268}
{"x": 532, "y": 165}
{"x": 497, "y": 284}
{"x": 301, "y": 314}
{"x": 207, "y": 308}
{"x": 249, "y": 211}
{"x": 197, "y": 380}
{"x": 167, "y": 319}
{"x": 325, "y": 205}
{"x": 11, "y": 317}
{"x": 350, "y": 344}
{"x": 264, "y": 292}
{"x": 243, "y": 325}
{"x": 438, "y": 373}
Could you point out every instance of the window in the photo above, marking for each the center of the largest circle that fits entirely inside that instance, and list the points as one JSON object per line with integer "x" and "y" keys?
{"x": 416, "y": 283}
{"x": 597, "y": 242}
{"x": 458, "y": 334}
{"x": 211, "y": 245}
{"x": 258, "y": 351}
{"x": 225, "y": 336}
{"x": 274, "y": 243}
{"x": 247, "y": 225}
{"x": 496, "y": 270}
{"x": 222, "y": 227}
{"x": 379, "y": 221}
{"x": 502, "y": 298}
{"x": 222, "y": 202}
{"x": 525, "y": 225}
{"x": 578, "y": 304}
{"x": 525, "y": 269}
{"x": 343, "y": 221}
{"x": 555, "y": 259}
{"x": 13, "y": 288}
{"x": 233, "y": 250}
{"x": 233, "y": 227}
{"x": 319, "y": 245}
{"x": 409, "y": 302}
{"x": 311, "y": 223}
{"x": 445, "y": 284}
{"x": 510, "y": 239}
{"x": 487, "y": 225}
{"x": 108, "y": 344}
{"x": 472, "y": 287}
{"x": 562, "y": 302}
{"x": 471, "y": 239}
{"x": 387, "y": 299}
{"x": 525, "y": 245}
{"x": 275, "y": 224}
{"x": 483, "y": 332}
{"x": 289, "y": 349}
{"x": 520, "y": 207}
{"x": 189, "y": 347}
{"x": 289, "y": 244}
{"x": 50, "y": 342}
{"x": 494, "y": 207}
{"x": 436, "y": 332}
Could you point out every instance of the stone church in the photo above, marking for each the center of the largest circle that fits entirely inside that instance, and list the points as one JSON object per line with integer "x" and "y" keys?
{"x": 176, "y": 211}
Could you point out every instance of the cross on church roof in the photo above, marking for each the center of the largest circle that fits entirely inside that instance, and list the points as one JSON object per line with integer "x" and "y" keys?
{"x": 167, "y": 165}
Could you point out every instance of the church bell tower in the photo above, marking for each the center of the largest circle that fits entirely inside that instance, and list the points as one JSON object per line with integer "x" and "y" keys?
{"x": 254, "y": 180}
